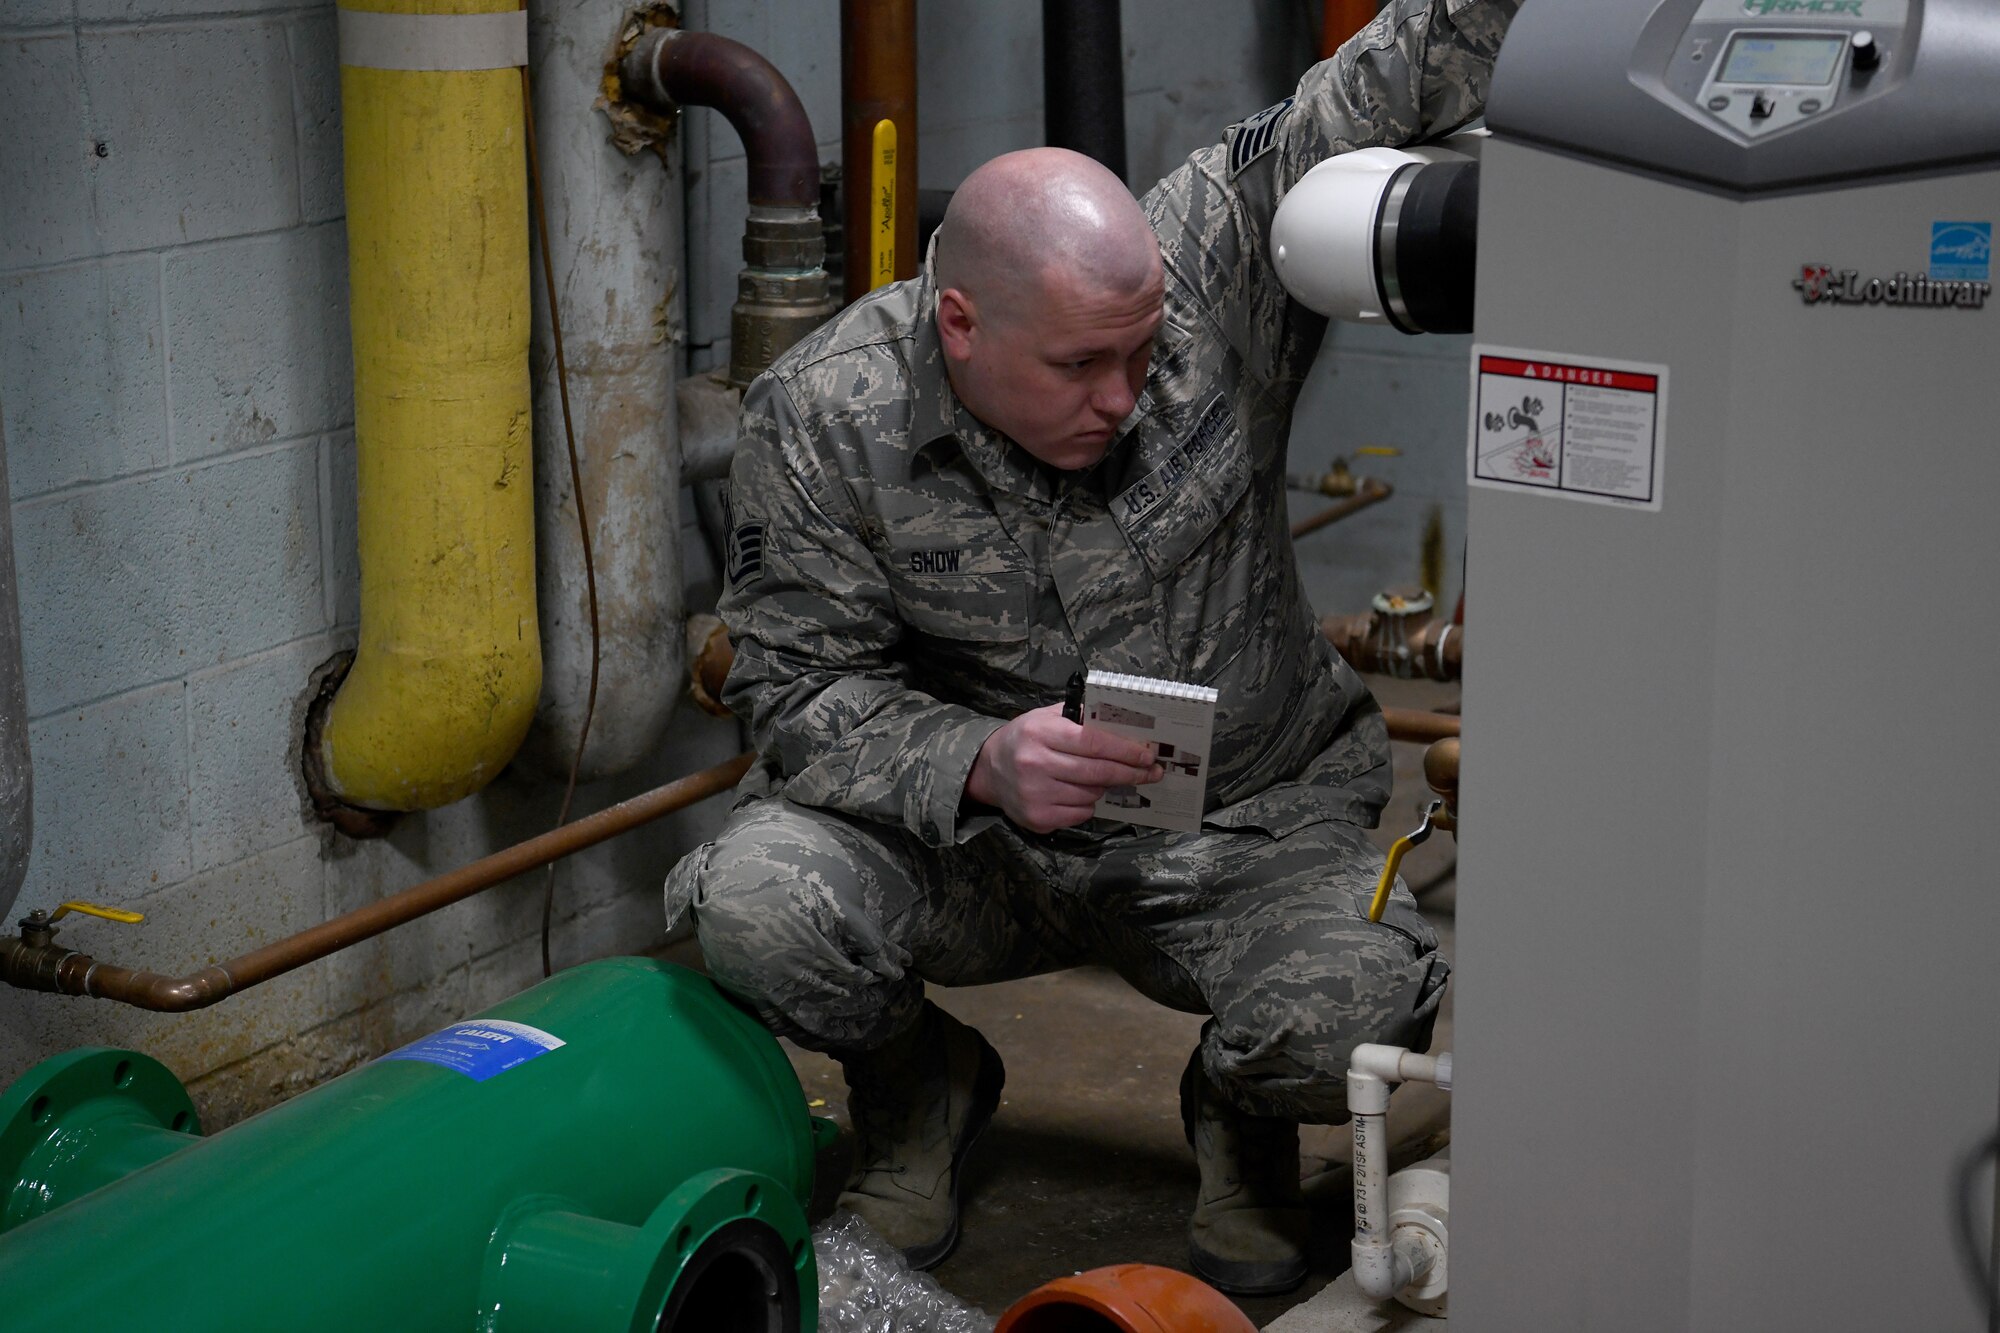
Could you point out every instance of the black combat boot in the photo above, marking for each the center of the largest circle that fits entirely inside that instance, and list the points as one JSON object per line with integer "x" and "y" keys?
{"x": 917, "y": 1104}
{"x": 1248, "y": 1232}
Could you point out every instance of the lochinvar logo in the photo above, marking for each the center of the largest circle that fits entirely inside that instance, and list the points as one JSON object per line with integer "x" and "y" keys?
{"x": 1816, "y": 7}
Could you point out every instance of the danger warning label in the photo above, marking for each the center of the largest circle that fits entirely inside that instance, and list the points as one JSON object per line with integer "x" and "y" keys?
{"x": 1579, "y": 427}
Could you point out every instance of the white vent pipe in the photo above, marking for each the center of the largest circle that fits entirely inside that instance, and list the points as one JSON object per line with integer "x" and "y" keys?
{"x": 1389, "y": 1258}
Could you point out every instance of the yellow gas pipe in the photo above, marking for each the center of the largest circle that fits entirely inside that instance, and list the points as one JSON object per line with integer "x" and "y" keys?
{"x": 446, "y": 676}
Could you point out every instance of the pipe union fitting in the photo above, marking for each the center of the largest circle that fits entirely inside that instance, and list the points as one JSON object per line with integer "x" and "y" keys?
{"x": 772, "y": 311}
{"x": 790, "y": 238}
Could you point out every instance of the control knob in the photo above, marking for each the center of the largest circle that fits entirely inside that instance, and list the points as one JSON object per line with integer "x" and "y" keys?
{"x": 1867, "y": 55}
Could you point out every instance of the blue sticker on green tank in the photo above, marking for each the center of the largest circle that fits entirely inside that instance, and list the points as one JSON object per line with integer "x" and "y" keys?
{"x": 480, "y": 1049}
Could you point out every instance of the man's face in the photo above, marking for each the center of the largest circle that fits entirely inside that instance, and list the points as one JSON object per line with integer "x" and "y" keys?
{"x": 1059, "y": 373}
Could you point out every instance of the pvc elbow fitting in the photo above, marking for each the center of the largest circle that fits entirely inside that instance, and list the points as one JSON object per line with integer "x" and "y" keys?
{"x": 1374, "y": 1264}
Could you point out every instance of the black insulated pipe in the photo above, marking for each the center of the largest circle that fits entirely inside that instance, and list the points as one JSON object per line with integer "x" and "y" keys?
{"x": 1083, "y": 79}
{"x": 673, "y": 67}
{"x": 1429, "y": 236}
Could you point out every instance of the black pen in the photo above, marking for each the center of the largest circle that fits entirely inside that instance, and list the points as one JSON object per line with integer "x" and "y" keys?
{"x": 1073, "y": 698}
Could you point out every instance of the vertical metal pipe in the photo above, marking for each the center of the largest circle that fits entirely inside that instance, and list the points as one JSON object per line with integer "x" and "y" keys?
{"x": 616, "y": 237}
{"x": 17, "y": 786}
{"x": 449, "y": 665}
{"x": 1083, "y": 79}
{"x": 878, "y": 81}
{"x": 1344, "y": 18}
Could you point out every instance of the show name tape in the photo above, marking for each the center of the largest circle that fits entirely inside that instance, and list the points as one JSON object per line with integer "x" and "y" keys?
{"x": 370, "y": 40}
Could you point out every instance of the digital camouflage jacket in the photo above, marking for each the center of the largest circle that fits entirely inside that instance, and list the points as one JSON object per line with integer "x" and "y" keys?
{"x": 903, "y": 579}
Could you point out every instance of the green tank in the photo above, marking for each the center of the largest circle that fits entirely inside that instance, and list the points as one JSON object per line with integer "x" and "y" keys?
{"x": 619, "y": 1148}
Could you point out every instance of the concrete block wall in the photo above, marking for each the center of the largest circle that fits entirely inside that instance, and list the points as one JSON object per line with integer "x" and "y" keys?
{"x": 176, "y": 397}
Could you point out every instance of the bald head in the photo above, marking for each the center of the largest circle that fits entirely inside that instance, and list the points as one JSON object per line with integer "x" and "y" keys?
{"x": 1040, "y": 218}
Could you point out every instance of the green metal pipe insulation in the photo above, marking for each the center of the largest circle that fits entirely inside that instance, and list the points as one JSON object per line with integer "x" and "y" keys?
{"x": 618, "y": 1149}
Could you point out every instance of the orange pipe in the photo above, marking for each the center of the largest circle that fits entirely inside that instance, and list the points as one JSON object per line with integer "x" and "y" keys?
{"x": 1343, "y": 19}
{"x": 878, "y": 81}
{"x": 1125, "y": 1298}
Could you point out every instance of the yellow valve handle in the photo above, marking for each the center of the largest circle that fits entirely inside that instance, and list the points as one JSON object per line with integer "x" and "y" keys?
{"x": 1397, "y": 851}
{"x": 117, "y": 914}
{"x": 882, "y": 206}
{"x": 1380, "y": 451}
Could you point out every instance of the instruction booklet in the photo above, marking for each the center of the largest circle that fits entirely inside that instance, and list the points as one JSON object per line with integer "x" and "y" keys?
{"x": 1177, "y": 718}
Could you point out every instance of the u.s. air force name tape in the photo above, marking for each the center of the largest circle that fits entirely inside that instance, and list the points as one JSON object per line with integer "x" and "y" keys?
{"x": 433, "y": 41}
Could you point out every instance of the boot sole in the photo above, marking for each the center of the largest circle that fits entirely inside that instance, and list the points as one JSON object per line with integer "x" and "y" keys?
{"x": 986, "y": 1088}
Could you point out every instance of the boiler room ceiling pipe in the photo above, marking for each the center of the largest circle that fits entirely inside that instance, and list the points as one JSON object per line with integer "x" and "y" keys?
{"x": 445, "y": 679}
{"x": 616, "y": 248}
{"x": 17, "y": 774}
{"x": 878, "y": 82}
{"x": 1083, "y": 79}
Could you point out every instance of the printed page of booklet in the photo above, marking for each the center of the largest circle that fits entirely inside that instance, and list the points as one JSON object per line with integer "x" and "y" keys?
{"x": 1180, "y": 720}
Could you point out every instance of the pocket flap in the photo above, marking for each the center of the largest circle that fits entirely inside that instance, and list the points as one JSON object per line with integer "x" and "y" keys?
{"x": 989, "y": 607}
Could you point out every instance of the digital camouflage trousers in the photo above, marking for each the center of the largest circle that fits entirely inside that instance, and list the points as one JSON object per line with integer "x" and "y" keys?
{"x": 828, "y": 927}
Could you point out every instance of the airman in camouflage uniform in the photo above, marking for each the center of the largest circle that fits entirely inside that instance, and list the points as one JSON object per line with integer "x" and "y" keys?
{"x": 904, "y": 579}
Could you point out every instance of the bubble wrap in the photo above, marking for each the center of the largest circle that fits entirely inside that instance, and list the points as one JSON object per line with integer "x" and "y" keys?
{"x": 866, "y": 1286}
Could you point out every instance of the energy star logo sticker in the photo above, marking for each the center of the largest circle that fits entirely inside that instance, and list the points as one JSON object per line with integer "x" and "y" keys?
{"x": 1962, "y": 251}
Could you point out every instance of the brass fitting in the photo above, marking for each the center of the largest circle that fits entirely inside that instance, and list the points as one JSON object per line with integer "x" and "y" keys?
{"x": 1399, "y": 637}
{"x": 783, "y": 292}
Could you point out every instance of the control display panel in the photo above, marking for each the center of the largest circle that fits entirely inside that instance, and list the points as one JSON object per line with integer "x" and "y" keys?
{"x": 1752, "y": 68}
{"x": 1783, "y": 58}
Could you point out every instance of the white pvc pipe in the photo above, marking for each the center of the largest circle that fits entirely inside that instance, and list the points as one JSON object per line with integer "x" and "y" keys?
{"x": 1384, "y": 1262}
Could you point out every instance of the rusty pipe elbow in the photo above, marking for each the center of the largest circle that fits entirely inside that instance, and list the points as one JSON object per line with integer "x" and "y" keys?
{"x": 674, "y": 67}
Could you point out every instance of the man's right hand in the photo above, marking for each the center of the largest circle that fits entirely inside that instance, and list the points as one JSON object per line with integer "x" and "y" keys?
{"x": 1046, "y": 772}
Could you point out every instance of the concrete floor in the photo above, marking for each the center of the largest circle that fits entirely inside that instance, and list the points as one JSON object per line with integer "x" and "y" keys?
{"x": 1085, "y": 1164}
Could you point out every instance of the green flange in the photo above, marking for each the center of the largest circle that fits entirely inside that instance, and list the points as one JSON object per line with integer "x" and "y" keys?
{"x": 83, "y": 1119}
{"x": 724, "y": 1243}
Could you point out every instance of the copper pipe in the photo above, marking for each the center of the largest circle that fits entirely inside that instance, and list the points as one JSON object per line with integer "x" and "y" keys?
{"x": 1415, "y": 724}
{"x": 878, "y": 81}
{"x": 1371, "y": 492}
{"x": 1343, "y": 19}
{"x": 49, "y": 967}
